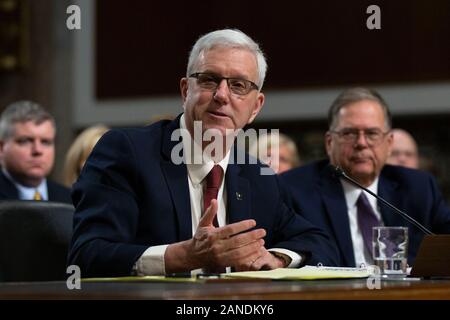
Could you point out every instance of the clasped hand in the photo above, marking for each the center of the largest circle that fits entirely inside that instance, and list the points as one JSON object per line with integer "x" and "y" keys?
{"x": 234, "y": 245}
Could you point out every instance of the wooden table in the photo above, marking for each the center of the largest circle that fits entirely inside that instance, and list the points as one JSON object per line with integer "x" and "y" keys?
{"x": 222, "y": 289}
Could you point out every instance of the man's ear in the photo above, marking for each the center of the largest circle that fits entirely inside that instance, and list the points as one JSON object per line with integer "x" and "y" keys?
{"x": 390, "y": 142}
{"x": 2, "y": 145}
{"x": 184, "y": 88}
{"x": 328, "y": 141}
{"x": 257, "y": 107}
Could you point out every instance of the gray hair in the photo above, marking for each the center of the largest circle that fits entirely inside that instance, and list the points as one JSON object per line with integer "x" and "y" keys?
{"x": 228, "y": 38}
{"x": 22, "y": 111}
{"x": 353, "y": 95}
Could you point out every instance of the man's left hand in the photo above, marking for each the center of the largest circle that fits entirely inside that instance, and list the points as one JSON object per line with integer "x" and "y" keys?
{"x": 267, "y": 261}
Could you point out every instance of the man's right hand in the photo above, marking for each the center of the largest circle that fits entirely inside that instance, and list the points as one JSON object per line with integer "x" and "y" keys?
{"x": 214, "y": 248}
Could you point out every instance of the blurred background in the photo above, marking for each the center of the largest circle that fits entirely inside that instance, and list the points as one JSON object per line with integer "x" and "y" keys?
{"x": 122, "y": 68}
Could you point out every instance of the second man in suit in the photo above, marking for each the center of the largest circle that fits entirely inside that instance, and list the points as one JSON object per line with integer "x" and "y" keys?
{"x": 27, "y": 153}
{"x": 359, "y": 140}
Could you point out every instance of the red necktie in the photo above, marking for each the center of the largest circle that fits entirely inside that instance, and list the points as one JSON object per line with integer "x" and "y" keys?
{"x": 213, "y": 182}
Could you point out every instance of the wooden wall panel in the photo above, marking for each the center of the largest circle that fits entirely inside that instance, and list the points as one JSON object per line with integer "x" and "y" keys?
{"x": 142, "y": 47}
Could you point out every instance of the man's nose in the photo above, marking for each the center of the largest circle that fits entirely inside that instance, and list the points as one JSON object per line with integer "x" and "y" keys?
{"x": 361, "y": 140}
{"x": 402, "y": 158}
{"x": 37, "y": 148}
{"x": 222, "y": 92}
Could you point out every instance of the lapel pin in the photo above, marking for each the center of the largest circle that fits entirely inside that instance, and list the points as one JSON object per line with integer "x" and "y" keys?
{"x": 238, "y": 196}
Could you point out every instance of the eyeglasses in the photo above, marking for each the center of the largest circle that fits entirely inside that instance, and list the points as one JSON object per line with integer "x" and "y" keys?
{"x": 350, "y": 135}
{"x": 210, "y": 81}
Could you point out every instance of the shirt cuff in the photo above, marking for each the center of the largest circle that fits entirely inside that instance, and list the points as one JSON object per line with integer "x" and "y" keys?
{"x": 296, "y": 259}
{"x": 151, "y": 262}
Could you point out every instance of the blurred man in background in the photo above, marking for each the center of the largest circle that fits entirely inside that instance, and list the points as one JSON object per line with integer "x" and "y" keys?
{"x": 27, "y": 153}
{"x": 288, "y": 156}
{"x": 404, "y": 150}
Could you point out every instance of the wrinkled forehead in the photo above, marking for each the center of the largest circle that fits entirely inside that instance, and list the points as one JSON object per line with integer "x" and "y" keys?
{"x": 231, "y": 56}
{"x": 362, "y": 114}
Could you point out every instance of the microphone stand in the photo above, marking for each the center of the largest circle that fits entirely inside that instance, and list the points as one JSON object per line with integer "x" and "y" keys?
{"x": 339, "y": 172}
{"x": 433, "y": 256}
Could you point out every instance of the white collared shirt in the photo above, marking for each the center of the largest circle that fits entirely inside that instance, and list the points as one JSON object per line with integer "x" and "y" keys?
{"x": 152, "y": 260}
{"x": 25, "y": 192}
{"x": 196, "y": 179}
{"x": 352, "y": 193}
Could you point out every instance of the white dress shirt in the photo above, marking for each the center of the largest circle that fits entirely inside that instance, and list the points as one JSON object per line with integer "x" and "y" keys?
{"x": 352, "y": 193}
{"x": 152, "y": 260}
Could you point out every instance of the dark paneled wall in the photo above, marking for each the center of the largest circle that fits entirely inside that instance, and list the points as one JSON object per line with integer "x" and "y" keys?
{"x": 143, "y": 50}
{"x": 46, "y": 68}
{"x": 32, "y": 80}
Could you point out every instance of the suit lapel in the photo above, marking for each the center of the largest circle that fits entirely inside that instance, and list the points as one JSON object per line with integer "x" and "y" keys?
{"x": 387, "y": 190}
{"x": 176, "y": 178}
{"x": 238, "y": 195}
{"x": 336, "y": 208}
{"x": 7, "y": 189}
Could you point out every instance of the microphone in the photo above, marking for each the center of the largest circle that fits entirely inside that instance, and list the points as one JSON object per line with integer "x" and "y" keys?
{"x": 338, "y": 172}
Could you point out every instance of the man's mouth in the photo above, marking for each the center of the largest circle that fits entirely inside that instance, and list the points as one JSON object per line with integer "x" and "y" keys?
{"x": 35, "y": 164}
{"x": 217, "y": 113}
{"x": 360, "y": 159}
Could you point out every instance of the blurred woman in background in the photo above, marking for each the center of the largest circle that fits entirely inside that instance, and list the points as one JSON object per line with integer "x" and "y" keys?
{"x": 79, "y": 152}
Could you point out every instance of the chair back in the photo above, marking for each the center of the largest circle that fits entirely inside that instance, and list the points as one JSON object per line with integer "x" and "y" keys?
{"x": 34, "y": 240}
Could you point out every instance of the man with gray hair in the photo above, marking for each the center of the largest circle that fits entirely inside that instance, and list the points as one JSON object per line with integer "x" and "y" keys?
{"x": 140, "y": 211}
{"x": 27, "y": 152}
{"x": 359, "y": 140}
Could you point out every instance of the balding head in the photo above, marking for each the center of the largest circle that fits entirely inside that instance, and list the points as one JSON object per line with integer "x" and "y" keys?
{"x": 404, "y": 151}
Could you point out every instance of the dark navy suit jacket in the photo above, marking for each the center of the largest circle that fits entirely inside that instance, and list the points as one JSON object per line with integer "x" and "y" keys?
{"x": 56, "y": 192}
{"x": 130, "y": 196}
{"x": 316, "y": 194}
